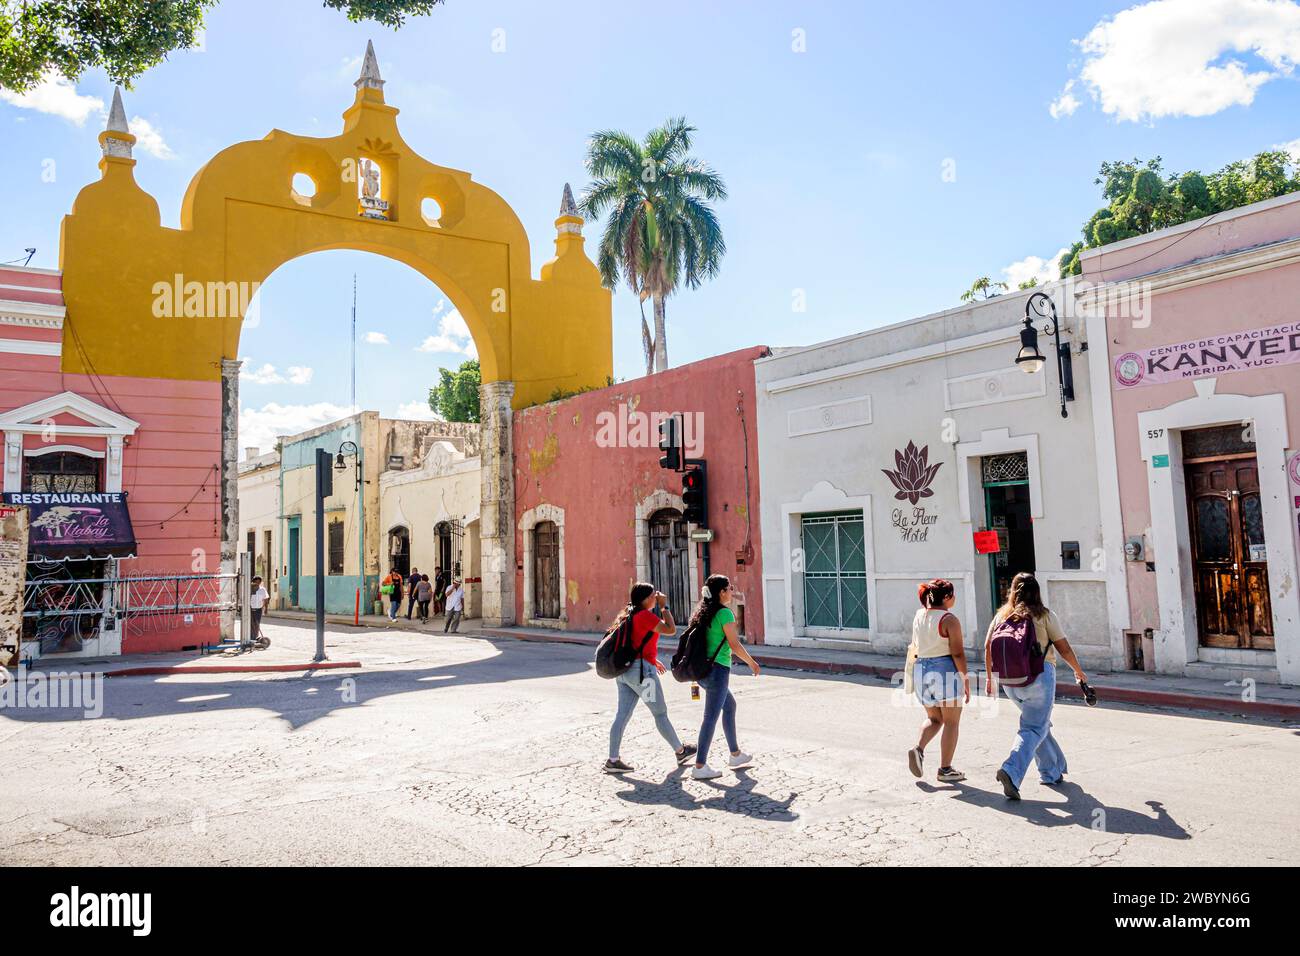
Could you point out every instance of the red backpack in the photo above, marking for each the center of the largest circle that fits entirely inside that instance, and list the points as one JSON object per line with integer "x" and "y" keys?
{"x": 1014, "y": 652}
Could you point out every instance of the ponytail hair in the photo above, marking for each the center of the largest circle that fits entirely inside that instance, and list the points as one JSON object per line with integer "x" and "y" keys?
{"x": 639, "y": 592}
{"x": 932, "y": 594}
{"x": 710, "y": 602}
{"x": 1024, "y": 599}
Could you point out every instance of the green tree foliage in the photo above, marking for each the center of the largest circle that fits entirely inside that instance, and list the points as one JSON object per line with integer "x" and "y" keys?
{"x": 662, "y": 230}
{"x": 983, "y": 288}
{"x": 1141, "y": 197}
{"x": 127, "y": 37}
{"x": 455, "y": 397}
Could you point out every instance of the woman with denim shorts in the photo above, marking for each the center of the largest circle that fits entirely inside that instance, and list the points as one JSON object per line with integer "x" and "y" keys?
{"x": 939, "y": 676}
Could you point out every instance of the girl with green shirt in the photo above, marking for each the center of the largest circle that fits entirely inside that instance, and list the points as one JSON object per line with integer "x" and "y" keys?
{"x": 723, "y": 637}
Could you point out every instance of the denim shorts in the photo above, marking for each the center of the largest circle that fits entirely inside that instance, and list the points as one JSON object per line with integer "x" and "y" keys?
{"x": 936, "y": 679}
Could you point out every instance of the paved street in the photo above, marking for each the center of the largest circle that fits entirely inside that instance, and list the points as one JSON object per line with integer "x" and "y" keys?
{"x": 458, "y": 750}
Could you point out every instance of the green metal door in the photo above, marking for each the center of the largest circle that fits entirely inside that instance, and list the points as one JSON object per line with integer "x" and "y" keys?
{"x": 835, "y": 570}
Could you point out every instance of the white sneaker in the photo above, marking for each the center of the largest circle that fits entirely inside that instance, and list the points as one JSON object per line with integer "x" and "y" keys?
{"x": 740, "y": 761}
{"x": 704, "y": 773}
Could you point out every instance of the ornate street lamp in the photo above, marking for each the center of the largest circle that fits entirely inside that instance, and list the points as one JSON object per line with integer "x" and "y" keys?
{"x": 1029, "y": 358}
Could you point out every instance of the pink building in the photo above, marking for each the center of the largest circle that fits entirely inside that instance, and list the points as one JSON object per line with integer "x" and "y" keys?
{"x": 126, "y": 471}
{"x": 594, "y": 511}
{"x": 1202, "y": 322}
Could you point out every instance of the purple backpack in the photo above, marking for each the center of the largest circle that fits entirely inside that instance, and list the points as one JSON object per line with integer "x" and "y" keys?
{"x": 1014, "y": 654}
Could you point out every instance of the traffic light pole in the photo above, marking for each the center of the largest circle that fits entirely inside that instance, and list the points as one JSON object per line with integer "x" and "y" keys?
{"x": 703, "y": 466}
{"x": 324, "y": 488}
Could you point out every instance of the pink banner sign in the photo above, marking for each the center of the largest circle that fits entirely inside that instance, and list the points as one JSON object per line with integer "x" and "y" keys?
{"x": 1214, "y": 355}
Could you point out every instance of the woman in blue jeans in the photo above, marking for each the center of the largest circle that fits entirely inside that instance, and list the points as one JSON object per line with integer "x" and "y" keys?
{"x": 651, "y": 617}
{"x": 1034, "y": 740}
{"x": 716, "y": 617}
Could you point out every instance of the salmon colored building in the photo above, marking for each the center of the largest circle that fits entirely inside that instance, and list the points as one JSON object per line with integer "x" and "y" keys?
{"x": 135, "y": 464}
{"x": 1198, "y": 414}
{"x": 595, "y": 512}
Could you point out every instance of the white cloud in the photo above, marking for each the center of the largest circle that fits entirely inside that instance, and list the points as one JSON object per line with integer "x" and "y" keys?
{"x": 453, "y": 336}
{"x": 58, "y": 97}
{"x": 376, "y": 338}
{"x": 417, "y": 411}
{"x": 268, "y": 374}
{"x": 261, "y": 427}
{"x": 1292, "y": 148}
{"x": 1065, "y": 104}
{"x": 1186, "y": 57}
{"x": 1034, "y": 267}
{"x": 149, "y": 138}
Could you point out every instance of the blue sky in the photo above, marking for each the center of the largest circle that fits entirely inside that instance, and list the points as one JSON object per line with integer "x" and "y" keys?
{"x": 879, "y": 158}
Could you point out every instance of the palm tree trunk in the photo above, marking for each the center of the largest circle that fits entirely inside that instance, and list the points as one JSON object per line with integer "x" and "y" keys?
{"x": 661, "y": 339}
{"x": 647, "y": 343}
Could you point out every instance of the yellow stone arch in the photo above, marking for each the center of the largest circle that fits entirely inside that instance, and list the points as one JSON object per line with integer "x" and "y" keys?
{"x": 242, "y": 219}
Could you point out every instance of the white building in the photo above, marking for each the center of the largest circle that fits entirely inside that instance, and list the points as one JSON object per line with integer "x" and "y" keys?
{"x": 259, "y": 515}
{"x": 882, "y": 453}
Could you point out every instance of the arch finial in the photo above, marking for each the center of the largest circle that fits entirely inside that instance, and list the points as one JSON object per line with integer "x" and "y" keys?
{"x": 370, "y": 78}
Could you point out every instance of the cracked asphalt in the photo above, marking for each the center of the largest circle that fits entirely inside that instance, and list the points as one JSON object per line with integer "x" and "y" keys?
{"x": 459, "y": 750}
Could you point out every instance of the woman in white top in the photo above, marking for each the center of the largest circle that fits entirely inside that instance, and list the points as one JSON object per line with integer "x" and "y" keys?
{"x": 938, "y": 662}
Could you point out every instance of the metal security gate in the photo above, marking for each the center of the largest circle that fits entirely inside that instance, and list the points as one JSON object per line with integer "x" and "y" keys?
{"x": 62, "y": 613}
{"x": 835, "y": 571}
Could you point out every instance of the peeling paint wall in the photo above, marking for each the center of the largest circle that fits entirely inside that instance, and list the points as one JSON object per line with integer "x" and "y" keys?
{"x": 596, "y": 456}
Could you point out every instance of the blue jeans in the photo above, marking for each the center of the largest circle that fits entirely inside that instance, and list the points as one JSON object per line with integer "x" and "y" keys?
{"x": 632, "y": 686}
{"x": 718, "y": 699}
{"x": 1034, "y": 739}
{"x": 394, "y": 606}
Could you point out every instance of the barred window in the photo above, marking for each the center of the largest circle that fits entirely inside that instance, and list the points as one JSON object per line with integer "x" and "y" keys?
{"x": 336, "y": 547}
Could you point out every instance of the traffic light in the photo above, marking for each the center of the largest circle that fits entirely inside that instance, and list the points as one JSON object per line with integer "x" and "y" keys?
{"x": 695, "y": 495}
{"x": 670, "y": 442}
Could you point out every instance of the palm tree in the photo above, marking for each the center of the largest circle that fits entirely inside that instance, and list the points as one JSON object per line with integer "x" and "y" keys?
{"x": 661, "y": 228}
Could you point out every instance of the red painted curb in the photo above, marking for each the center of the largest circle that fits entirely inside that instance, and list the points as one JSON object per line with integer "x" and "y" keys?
{"x": 230, "y": 669}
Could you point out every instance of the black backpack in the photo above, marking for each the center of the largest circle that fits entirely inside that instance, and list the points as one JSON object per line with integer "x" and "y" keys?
{"x": 693, "y": 662}
{"x": 616, "y": 653}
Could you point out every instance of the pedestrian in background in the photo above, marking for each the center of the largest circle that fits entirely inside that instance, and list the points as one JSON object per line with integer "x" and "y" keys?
{"x": 718, "y": 621}
{"x": 423, "y": 595}
{"x": 391, "y": 587}
{"x": 937, "y": 659}
{"x": 256, "y": 602}
{"x": 411, "y": 583}
{"x": 455, "y": 604}
{"x": 1035, "y": 697}
{"x": 440, "y": 582}
{"x": 651, "y": 617}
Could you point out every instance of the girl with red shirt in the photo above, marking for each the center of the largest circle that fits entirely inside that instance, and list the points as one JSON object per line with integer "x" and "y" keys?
{"x": 640, "y": 682}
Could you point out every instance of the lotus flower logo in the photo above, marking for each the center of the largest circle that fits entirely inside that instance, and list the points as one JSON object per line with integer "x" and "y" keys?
{"x": 914, "y": 474}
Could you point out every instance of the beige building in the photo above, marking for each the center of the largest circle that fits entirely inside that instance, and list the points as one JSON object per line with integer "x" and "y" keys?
{"x": 363, "y": 447}
{"x": 259, "y": 514}
{"x": 430, "y": 517}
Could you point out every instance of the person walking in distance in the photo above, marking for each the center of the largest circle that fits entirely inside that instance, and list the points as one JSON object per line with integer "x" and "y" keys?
{"x": 440, "y": 583}
{"x": 256, "y": 602}
{"x": 424, "y": 594}
{"x": 718, "y": 622}
{"x": 455, "y": 604}
{"x": 392, "y": 586}
{"x": 651, "y": 617}
{"x": 411, "y": 584}
{"x": 937, "y": 659}
{"x": 1021, "y": 618}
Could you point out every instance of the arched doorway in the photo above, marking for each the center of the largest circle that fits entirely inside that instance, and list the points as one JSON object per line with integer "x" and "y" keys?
{"x": 546, "y": 570}
{"x": 399, "y": 551}
{"x": 670, "y": 570}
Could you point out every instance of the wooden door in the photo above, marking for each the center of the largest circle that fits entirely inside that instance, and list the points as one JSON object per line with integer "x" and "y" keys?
{"x": 670, "y": 570}
{"x": 1229, "y": 565}
{"x": 546, "y": 570}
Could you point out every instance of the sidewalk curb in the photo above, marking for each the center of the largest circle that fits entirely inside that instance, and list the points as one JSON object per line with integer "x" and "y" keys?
{"x": 230, "y": 668}
{"x": 1105, "y": 693}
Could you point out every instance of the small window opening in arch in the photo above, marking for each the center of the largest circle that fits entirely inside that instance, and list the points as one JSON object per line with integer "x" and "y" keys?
{"x": 431, "y": 210}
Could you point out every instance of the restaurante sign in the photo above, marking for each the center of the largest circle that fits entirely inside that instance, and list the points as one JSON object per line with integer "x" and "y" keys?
{"x": 1216, "y": 355}
{"x": 78, "y": 524}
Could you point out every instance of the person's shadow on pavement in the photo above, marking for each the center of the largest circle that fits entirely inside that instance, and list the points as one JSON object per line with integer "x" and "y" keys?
{"x": 740, "y": 797}
{"x": 1080, "y": 808}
